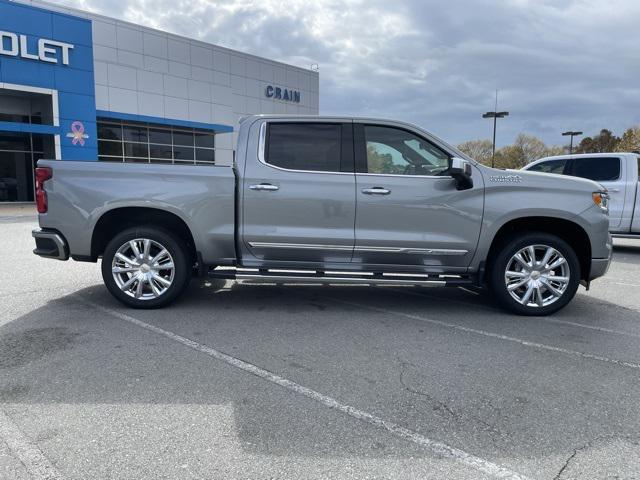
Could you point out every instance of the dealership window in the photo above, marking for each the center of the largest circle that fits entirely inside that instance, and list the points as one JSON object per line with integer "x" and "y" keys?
{"x": 25, "y": 107}
{"x": 141, "y": 143}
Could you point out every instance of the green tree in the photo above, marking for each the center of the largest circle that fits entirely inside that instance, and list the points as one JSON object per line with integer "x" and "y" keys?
{"x": 605, "y": 141}
{"x": 630, "y": 141}
{"x": 479, "y": 150}
{"x": 531, "y": 149}
{"x": 509, "y": 156}
{"x": 381, "y": 162}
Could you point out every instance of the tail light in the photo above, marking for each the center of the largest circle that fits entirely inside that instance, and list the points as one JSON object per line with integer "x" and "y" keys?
{"x": 42, "y": 175}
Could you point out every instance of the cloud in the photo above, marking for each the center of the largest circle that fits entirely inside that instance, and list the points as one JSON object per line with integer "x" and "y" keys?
{"x": 558, "y": 64}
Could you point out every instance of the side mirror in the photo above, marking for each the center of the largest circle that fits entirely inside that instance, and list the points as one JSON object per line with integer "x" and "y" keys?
{"x": 460, "y": 170}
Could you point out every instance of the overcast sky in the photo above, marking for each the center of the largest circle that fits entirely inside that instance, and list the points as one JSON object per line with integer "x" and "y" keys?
{"x": 558, "y": 64}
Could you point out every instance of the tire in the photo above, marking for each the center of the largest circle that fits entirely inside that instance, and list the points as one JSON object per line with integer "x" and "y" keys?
{"x": 124, "y": 284}
{"x": 534, "y": 288}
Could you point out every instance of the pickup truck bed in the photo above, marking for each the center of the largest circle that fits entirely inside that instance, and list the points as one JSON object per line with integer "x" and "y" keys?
{"x": 81, "y": 195}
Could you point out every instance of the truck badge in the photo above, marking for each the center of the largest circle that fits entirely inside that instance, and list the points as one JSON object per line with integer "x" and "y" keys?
{"x": 505, "y": 178}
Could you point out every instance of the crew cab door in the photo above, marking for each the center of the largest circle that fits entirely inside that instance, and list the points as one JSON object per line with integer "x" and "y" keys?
{"x": 299, "y": 193}
{"x": 610, "y": 172}
{"x": 409, "y": 212}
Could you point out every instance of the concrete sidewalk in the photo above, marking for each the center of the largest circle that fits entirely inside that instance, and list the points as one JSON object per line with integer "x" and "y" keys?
{"x": 18, "y": 210}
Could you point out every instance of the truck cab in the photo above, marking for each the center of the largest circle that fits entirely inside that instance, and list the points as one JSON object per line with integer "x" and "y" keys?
{"x": 334, "y": 192}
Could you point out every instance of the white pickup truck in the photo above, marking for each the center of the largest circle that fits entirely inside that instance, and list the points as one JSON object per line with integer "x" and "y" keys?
{"x": 619, "y": 173}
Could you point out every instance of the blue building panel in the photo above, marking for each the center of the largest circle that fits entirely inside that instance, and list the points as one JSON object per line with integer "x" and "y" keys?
{"x": 72, "y": 30}
{"x": 66, "y": 69}
{"x": 26, "y": 72}
{"x": 81, "y": 58}
{"x": 79, "y": 82}
{"x": 25, "y": 19}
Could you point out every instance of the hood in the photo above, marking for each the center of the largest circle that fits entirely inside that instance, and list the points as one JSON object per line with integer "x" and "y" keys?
{"x": 525, "y": 178}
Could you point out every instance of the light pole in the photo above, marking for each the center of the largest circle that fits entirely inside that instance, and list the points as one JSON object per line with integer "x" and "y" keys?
{"x": 495, "y": 115}
{"x": 571, "y": 134}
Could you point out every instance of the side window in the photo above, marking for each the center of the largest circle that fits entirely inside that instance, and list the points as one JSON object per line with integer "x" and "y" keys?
{"x": 597, "y": 168}
{"x": 393, "y": 151}
{"x": 550, "y": 166}
{"x": 304, "y": 146}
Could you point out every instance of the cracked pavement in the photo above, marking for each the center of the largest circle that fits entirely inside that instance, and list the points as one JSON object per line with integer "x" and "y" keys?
{"x": 100, "y": 398}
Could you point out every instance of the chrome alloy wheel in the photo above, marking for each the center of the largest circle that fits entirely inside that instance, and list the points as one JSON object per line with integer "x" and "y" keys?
{"x": 143, "y": 269}
{"x": 537, "y": 275}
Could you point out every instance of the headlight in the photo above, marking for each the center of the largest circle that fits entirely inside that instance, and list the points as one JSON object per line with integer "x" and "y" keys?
{"x": 601, "y": 199}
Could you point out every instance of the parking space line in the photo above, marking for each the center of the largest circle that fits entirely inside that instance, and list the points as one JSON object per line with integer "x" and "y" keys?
{"x": 35, "y": 462}
{"x": 541, "y": 319}
{"x": 625, "y": 284}
{"x": 434, "y": 446}
{"x": 526, "y": 343}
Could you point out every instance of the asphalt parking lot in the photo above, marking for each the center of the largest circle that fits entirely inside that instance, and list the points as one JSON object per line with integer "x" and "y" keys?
{"x": 242, "y": 381}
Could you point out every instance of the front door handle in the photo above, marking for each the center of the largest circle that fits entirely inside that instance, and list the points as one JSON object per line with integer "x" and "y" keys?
{"x": 264, "y": 186}
{"x": 376, "y": 191}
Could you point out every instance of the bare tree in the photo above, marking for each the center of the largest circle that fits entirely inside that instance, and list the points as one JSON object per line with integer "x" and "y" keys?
{"x": 630, "y": 141}
{"x": 479, "y": 150}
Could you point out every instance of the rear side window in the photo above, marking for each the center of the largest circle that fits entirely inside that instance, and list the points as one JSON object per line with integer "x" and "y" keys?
{"x": 304, "y": 146}
{"x": 550, "y": 166}
{"x": 600, "y": 169}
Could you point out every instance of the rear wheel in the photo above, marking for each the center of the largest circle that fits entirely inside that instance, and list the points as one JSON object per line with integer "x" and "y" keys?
{"x": 535, "y": 274}
{"x": 146, "y": 267}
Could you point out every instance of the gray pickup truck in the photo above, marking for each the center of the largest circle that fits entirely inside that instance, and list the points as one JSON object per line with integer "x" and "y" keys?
{"x": 328, "y": 199}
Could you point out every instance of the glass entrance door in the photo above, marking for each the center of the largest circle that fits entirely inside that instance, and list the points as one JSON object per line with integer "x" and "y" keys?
{"x": 19, "y": 153}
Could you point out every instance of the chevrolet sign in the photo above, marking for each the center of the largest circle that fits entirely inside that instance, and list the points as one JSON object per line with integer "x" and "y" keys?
{"x": 13, "y": 45}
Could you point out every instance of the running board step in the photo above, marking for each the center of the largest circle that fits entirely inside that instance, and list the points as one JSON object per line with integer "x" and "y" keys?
{"x": 626, "y": 235}
{"x": 340, "y": 277}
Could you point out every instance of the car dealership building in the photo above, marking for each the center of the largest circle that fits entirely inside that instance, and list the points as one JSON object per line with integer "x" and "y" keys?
{"x": 79, "y": 86}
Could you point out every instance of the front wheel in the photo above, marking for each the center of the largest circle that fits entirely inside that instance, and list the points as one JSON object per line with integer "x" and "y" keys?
{"x": 534, "y": 274}
{"x": 145, "y": 267}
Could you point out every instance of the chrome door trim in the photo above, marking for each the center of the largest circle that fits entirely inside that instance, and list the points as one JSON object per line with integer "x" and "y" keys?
{"x": 300, "y": 246}
{"x": 408, "y": 250}
{"x": 262, "y": 141}
{"x": 401, "y": 175}
{"x": 415, "y": 251}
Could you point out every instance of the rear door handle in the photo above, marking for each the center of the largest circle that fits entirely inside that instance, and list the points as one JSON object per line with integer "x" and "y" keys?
{"x": 264, "y": 186}
{"x": 376, "y": 191}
